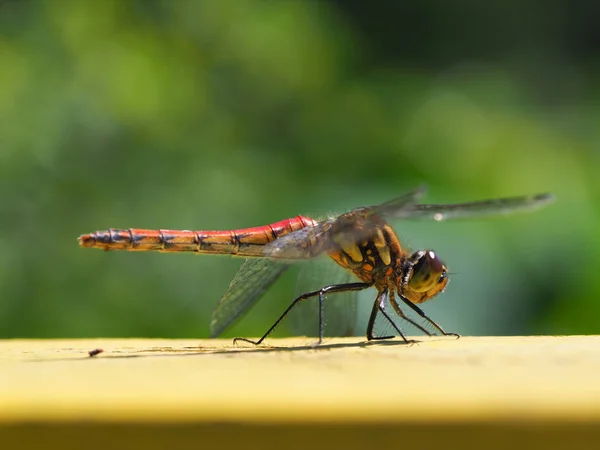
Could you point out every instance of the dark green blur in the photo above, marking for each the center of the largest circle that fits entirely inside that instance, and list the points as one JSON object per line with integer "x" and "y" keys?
{"x": 226, "y": 114}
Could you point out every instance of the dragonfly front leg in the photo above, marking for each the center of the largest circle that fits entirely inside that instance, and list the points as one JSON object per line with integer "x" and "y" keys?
{"x": 321, "y": 293}
{"x": 421, "y": 313}
{"x": 379, "y": 307}
{"x": 399, "y": 311}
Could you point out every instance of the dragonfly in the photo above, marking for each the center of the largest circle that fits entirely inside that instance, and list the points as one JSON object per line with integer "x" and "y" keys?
{"x": 361, "y": 241}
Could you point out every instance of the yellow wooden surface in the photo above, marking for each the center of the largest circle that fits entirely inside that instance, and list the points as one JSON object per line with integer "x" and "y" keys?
{"x": 441, "y": 391}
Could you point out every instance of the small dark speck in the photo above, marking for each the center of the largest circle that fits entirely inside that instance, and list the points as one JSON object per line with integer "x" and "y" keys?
{"x": 95, "y": 352}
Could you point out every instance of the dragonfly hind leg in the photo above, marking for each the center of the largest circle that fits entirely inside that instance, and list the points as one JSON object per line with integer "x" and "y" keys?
{"x": 321, "y": 293}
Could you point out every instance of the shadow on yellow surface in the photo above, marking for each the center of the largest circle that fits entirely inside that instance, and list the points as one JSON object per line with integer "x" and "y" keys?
{"x": 479, "y": 392}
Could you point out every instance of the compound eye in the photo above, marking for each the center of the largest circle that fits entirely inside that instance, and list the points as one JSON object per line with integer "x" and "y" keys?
{"x": 427, "y": 272}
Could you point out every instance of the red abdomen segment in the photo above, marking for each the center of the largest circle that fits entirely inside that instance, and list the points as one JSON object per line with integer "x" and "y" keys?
{"x": 243, "y": 242}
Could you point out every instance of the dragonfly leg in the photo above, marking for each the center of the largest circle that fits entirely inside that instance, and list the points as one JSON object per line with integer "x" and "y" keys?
{"x": 420, "y": 312}
{"x": 376, "y": 306}
{"x": 321, "y": 293}
{"x": 399, "y": 311}
{"x": 321, "y": 301}
{"x": 379, "y": 307}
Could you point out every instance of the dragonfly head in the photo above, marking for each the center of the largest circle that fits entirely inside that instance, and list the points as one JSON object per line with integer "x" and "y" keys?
{"x": 424, "y": 275}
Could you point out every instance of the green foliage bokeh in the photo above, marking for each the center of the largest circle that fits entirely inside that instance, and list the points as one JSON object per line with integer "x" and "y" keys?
{"x": 215, "y": 115}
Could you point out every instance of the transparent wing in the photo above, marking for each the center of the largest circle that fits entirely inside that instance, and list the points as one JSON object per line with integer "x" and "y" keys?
{"x": 339, "y": 308}
{"x": 313, "y": 241}
{"x": 392, "y": 207}
{"x": 484, "y": 208}
{"x": 247, "y": 286}
{"x": 306, "y": 243}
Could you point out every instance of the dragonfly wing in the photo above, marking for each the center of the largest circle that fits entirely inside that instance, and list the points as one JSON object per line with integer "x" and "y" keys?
{"x": 339, "y": 308}
{"x": 396, "y": 205}
{"x": 247, "y": 286}
{"x": 306, "y": 243}
{"x": 313, "y": 241}
{"x": 484, "y": 208}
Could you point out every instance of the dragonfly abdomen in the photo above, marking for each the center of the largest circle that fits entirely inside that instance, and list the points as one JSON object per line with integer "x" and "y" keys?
{"x": 245, "y": 242}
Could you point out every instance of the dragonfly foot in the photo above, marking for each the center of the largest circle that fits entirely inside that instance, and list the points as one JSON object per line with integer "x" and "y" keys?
{"x": 250, "y": 341}
{"x": 456, "y": 335}
{"x": 380, "y": 338}
{"x": 317, "y": 344}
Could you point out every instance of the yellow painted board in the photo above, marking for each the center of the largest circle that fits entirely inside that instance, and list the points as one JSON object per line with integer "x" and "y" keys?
{"x": 540, "y": 389}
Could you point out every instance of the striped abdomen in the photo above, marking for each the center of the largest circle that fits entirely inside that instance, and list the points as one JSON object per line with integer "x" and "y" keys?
{"x": 243, "y": 242}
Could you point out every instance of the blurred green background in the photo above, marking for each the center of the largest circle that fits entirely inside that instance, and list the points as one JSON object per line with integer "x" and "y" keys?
{"x": 225, "y": 114}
